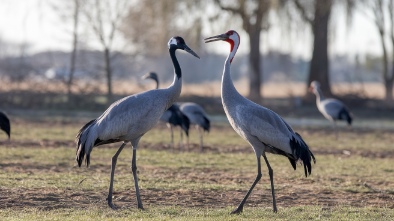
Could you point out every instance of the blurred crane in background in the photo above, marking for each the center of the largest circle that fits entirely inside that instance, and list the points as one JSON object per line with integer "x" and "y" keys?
{"x": 197, "y": 117}
{"x": 331, "y": 108}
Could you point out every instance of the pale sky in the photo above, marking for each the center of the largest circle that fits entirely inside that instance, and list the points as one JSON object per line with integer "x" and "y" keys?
{"x": 34, "y": 22}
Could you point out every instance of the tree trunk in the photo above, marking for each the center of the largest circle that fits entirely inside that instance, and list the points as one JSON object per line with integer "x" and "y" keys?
{"x": 389, "y": 92}
{"x": 74, "y": 50}
{"x": 255, "y": 64}
{"x": 388, "y": 86}
{"x": 72, "y": 69}
{"x": 319, "y": 67}
{"x": 385, "y": 72}
{"x": 108, "y": 71}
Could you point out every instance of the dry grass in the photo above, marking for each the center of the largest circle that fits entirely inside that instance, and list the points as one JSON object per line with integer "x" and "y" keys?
{"x": 353, "y": 178}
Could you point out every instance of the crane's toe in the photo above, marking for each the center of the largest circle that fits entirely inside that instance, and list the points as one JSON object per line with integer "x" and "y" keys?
{"x": 237, "y": 210}
{"x": 110, "y": 204}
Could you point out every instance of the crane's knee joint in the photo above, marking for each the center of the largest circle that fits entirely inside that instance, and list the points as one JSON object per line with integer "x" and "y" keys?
{"x": 270, "y": 172}
{"x": 114, "y": 159}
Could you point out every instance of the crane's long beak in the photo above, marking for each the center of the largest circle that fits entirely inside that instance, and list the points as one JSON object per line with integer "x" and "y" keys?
{"x": 221, "y": 37}
{"x": 186, "y": 48}
{"x": 145, "y": 76}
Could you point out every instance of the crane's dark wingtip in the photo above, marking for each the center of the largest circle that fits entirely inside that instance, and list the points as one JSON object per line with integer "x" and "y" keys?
{"x": 302, "y": 152}
{"x": 5, "y": 124}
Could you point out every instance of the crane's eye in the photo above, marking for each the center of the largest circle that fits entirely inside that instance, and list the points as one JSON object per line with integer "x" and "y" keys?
{"x": 230, "y": 33}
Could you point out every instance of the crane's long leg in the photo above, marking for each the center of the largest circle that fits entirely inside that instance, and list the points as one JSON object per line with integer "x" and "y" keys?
{"x": 271, "y": 173}
{"x": 201, "y": 141}
{"x": 240, "y": 207}
{"x": 111, "y": 184}
{"x": 187, "y": 144}
{"x": 172, "y": 134}
{"x": 336, "y": 130}
{"x": 134, "y": 170}
{"x": 181, "y": 138}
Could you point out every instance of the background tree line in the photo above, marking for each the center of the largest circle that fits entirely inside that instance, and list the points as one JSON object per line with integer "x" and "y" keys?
{"x": 146, "y": 26}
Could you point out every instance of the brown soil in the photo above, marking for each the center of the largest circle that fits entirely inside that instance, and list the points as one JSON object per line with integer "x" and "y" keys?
{"x": 55, "y": 198}
{"x": 300, "y": 192}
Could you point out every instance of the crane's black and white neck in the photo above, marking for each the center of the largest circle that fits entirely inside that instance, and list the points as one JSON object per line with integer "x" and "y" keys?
{"x": 315, "y": 88}
{"x": 175, "y": 43}
{"x": 153, "y": 76}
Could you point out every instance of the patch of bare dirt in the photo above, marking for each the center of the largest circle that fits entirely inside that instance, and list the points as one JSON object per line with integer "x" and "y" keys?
{"x": 48, "y": 199}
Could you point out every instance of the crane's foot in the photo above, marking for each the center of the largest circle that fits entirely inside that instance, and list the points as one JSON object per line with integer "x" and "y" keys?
{"x": 275, "y": 209}
{"x": 140, "y": 207}
{"x": 238, "y": 210}
{"x": 110, "y": 204}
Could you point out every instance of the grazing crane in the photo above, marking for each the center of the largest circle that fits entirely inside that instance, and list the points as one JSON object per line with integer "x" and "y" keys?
{"x": 331, "y": 108}
{"x": 128, "y": 119}
{"x": 5, "y": 124}
{"x": 262, "y": 128}
{"x": 173, "y": 116}
{"x": 197, "y": 117}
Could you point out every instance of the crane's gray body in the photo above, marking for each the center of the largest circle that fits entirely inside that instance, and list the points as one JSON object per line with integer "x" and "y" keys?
{"x": 196, "y": 114}
{"x": 173, "y": 116}
{"x": 131, "y": 117}
{"x": 262, "y": 128}
{"x": 330, "y": 108}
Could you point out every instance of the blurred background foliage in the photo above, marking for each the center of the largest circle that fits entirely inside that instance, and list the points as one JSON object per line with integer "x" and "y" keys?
{"x": 113, "y": 43}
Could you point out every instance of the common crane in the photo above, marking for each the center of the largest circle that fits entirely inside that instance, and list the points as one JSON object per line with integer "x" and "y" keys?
{"x": 5, "y": 124}
{"x": 128, "y": 119}
{"x": 198, "y": 118}
{"x": 332, "y": 109}
{"x": 173, "y": 116}
{"x": 262, "y": 128}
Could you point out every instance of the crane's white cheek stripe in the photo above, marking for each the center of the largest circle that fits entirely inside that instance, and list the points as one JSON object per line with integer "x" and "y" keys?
{"x": 172, "y": 41}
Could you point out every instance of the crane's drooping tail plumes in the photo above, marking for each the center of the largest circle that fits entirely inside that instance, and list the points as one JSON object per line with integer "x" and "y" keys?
{"x": 345, "y": 115}
{"x": 185, "y": 124}
{"x": 81, "y": 139}
{"x": 177, "y": 118}
{"x": 207, "y": 124}
{"x": 301, "y": 151}
{"x": 5, "y": 124}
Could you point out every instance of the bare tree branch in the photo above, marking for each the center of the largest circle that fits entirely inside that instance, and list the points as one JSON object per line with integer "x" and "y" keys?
{"x": 302, "y": 9}
{"x": 230, "y": 9}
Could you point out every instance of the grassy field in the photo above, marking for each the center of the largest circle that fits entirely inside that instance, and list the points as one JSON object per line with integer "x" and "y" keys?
{"x": 39, "y": 180}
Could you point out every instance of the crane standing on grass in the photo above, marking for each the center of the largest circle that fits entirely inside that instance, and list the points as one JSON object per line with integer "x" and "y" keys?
{"x": 5, "y": 124}
{"x": 128, "y": 119}
{"x": 173, "y": 116}
{"x": 262, "y": 128}
{"x": 332, "y": 109}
